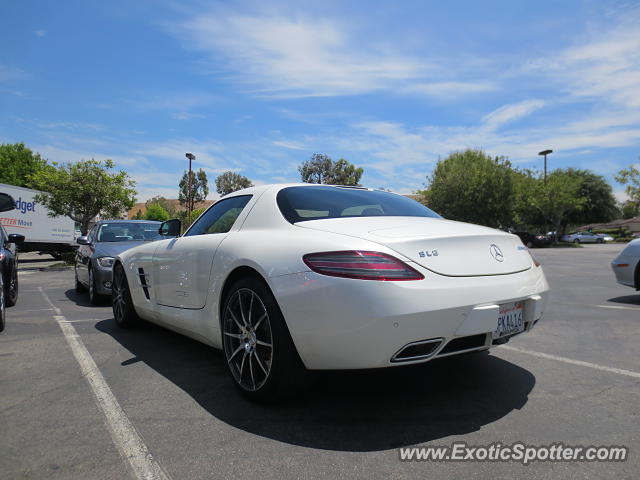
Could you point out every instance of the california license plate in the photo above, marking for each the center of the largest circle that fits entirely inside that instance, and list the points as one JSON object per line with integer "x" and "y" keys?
{"x": 510, "y": 319}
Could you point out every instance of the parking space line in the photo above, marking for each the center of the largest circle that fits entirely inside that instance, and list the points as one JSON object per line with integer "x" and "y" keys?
{"x": 581, "y": 363}
{"x": 618, "y": 307}
{"x": 123, "y": 433}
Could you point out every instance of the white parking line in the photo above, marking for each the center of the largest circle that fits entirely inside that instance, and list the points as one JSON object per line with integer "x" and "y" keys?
{"x": 618, "y": 307}
{"x": 123, "y": 433}
{"x": 604, "y": 368}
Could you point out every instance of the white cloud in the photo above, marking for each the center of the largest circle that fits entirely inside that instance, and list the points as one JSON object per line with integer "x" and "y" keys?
{"x": 291, "y": 145}
{"x": 605, "y": 67}
{"x": 511, "y": 112}
{"x": 9, "y": 73}
{"x": 449, "y": 89}
{"x": 40, "y": 33}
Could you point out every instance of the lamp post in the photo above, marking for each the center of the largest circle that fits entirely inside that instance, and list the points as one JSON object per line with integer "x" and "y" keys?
{"x": 191, "y": 157}
{"x": 545, "y": 153}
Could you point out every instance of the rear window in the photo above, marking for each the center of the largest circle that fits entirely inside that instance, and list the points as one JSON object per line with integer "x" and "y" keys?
{"x": 299, "y": 204}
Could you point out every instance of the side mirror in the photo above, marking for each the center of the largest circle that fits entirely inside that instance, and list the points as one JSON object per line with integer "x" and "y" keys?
{"x": 83, "y": 241}
{"x": 170, "y": 228}
{"x": 15, "y": 238}
{"x": 6, "y": 202}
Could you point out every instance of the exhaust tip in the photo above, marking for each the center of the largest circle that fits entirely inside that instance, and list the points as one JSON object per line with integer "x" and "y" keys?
{"x": 417, "y": 350}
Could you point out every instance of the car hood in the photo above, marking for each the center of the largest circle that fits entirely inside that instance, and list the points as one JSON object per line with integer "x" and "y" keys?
{"x": 112, "y": 249}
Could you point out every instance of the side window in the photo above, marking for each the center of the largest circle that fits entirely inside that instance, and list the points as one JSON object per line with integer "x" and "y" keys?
{"x": 219, "y": 218}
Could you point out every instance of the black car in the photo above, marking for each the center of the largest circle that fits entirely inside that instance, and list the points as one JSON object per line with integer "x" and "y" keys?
{"x": 534, "y": 240}
{"x": 8, "y": 262}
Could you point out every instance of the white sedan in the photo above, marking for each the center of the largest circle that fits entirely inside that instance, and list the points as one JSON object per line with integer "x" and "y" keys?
{"x": 626, "y": 266}
{"x": 285, "y": 278}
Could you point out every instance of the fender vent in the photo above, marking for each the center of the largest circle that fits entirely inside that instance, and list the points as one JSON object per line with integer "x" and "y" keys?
{"x": 143, "y": 282}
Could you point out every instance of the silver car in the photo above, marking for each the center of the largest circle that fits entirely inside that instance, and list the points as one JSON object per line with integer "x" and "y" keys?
{"x": 582, "y": 237}
{"x": 108, "y": 238}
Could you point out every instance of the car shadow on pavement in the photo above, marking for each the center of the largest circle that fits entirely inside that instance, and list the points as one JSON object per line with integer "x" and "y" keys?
{"x": 348, "y": 411}
{"x": 626, "y": 299}
{"x": 82, "y": 299}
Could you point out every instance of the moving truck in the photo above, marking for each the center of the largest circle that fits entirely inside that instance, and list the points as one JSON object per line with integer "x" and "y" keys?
{"x": 42, "y": 233}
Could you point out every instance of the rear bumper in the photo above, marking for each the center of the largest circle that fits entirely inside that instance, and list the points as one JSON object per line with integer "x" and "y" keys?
{"x": 339, "y": 323}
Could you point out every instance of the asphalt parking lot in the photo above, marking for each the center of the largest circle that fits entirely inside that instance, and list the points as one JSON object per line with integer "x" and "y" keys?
{"x": 575, "y": 379}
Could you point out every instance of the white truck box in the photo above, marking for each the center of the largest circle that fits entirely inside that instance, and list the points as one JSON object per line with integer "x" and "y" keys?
{"x": 42, "y": 232}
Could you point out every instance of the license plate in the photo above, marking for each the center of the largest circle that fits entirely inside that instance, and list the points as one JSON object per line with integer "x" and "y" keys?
{"x": 510, "y": 319}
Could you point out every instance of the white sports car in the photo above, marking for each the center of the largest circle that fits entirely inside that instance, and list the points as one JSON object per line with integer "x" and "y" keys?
{"x": 285, "y": 278}
{"x": 626, "y": 266}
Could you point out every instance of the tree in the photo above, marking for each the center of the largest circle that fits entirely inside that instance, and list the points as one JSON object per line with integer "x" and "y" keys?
{"x": 629, "y": 209}
{"x": 18, "y": 163}
{"x": 600, "y": 203}
{"x": 631, "y": 178}
{"x": 228, "y": 182}
{"x": 164, "y": 203}
{"x": 199, "y": 189}
{"x": 321, "y": 169}
{"x": 551, "y": 202}
{"x": 470, "y": 186}
{"x": 156, "y": 212}
{"x": 83, "y": 190}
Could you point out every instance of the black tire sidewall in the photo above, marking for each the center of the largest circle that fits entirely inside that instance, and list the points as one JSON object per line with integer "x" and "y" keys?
{"x": 131, "y": 318}
{"x": 286, "y": 366}
{"x": 11, "y": 296}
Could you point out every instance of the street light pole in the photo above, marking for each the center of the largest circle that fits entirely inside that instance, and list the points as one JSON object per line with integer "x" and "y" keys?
{"x": 191, "y": 157}
{"x": 545, "y": 153}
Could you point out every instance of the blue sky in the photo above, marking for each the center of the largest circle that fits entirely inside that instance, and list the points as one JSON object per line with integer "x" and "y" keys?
{"x": 257, "y": 87}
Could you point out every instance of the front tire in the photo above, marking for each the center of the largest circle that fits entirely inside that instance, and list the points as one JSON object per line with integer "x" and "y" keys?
{"x": 577, "y": 240}
{"x": 124, "y": 312}
{"x": 259, "y": 352}
{"x": 11, "y": 294}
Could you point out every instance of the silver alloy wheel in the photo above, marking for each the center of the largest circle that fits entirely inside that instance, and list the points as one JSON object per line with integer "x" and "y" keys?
{"x": 119, "y": 295}
{"x": 247, "y": 337}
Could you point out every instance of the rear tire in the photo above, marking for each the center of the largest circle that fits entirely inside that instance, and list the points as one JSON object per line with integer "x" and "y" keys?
{"x": 599, "y": 240}
{"x": 124, "y": 313}
{"x": 94, "y": 298}
{"x": 3, "y": 313}
{"x": 259, "y": 352}
{"x": 577, "y": 240}
{"x": 80, "y": 288}
{"x": 11, "y": 297}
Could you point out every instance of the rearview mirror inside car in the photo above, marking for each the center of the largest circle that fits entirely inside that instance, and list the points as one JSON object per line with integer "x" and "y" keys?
{"x": 170, "y": 228}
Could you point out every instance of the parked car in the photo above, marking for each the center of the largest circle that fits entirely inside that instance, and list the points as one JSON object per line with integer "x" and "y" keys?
{"x": 582, "y": 237}
{"x": 626, "y": 266}
{"x": 97, "y": 250}
{"x": 605, "y": 237}
{"x": 285, "y": 278}
{"x": 8, "y": 262}
{"x": 534, "y": 240}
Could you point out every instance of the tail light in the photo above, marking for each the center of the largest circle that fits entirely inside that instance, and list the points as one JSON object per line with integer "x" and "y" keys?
{"x": 533, "y": 257}
{"x": 361, "y": 265}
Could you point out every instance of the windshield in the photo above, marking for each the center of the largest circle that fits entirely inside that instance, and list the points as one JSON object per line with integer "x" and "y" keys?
{"x": 299, "y": 204}
{"x": 128, "y": 232}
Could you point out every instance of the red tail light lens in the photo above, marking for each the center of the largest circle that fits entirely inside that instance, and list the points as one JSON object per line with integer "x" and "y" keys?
{"x": 361, "y": 265}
